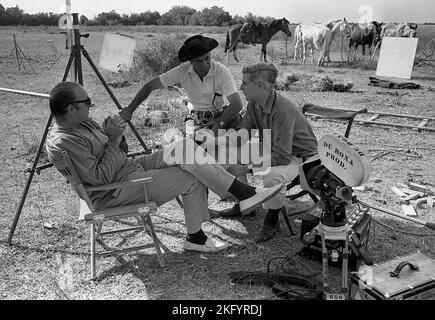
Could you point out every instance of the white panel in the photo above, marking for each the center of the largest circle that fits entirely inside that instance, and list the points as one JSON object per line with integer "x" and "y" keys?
{"x": 396, "y": 57}
{"x": 117, "y": 50}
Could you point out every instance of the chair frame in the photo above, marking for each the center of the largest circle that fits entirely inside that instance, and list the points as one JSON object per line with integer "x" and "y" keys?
{"x": 328, "y": 113}
{"x": 95, "y": 218}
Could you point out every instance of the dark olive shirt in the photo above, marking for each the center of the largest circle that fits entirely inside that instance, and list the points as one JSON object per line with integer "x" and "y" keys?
{"x": 292, "y": 134}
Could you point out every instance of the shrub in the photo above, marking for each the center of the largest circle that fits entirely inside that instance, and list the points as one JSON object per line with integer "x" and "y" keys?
{"x": 159, "y": 56}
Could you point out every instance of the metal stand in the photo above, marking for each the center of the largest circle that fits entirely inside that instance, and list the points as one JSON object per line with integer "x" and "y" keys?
{"x": 76, "y": 51}
{"x": 333, "y": 234}
{"x": 19, "y": 55}
{"x": 56, "y": 54}
{"x": 425, "y": 55}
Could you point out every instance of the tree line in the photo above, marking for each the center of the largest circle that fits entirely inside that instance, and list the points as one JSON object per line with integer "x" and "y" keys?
{"x": 177, "y": 15}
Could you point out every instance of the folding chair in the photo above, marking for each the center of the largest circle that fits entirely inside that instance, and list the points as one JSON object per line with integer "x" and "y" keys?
{"x": 55, "y": 56}
{"x": 328, "y": 113}
{"x": 95, "y": 218}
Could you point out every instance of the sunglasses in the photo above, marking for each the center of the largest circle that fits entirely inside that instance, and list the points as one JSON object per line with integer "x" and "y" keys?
{"x": 87, "y": 101}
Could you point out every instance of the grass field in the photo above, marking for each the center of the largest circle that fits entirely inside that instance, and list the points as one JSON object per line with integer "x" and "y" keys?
{"x": 49, "y": 257}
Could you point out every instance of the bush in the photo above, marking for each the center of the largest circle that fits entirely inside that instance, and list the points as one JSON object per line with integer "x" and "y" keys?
{"x": 285, "y": 85}
{"x": 327, "y": 84}
{"x": 159, "y": 56}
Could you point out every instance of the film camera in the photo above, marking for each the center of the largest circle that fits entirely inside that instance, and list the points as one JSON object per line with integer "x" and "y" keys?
{"x": 331, "y": 176}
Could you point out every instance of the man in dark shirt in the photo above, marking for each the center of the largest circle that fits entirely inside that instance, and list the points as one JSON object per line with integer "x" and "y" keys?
{"x": 292, "y": 139}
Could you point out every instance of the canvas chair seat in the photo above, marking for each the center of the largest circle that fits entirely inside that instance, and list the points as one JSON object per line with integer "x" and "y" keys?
{"x": 95, "y": 219}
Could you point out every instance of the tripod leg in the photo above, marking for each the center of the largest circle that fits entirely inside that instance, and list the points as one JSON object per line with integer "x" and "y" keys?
{"x": 18, "y": 57}
{"x": 25, "y": 57}
{"x": 324, "y": 266}
{"x": 85, "y": 53}
{"x": 7, "y": 60}
{"x": 69, "y": 64}
{"x": 344, "y": 268}
{"x": 29, "y": 180}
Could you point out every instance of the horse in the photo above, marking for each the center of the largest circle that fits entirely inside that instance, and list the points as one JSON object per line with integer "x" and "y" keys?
{"x": 253, "y": 33}
{"x": 405, "y": 30}
{"x": 362, "y": 35}
{"x": 399, "y": 30}
{"x": 319, "y": 36}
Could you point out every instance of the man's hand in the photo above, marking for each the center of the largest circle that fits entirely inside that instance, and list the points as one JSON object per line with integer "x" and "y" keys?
{"x": 119, "y": 121}
{"x": 126, "y": 114}
{"x": 238, "y": 170}
{"x": 113, "y": 131}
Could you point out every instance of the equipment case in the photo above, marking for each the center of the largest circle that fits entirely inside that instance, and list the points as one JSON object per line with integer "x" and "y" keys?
{"x": 411, "y": 277}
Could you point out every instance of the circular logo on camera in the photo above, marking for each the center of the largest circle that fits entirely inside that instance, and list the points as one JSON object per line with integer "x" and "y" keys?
{"x": 344, "y": 160}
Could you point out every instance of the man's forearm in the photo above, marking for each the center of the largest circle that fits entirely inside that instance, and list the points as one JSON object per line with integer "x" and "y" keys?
{"x": 143, "y": 93}
{"x": 232, "y": 110}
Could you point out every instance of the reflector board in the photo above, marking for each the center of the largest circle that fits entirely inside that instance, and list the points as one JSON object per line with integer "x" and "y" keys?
{"x": 396, "y": 57}
{"x": 117, "y": 52}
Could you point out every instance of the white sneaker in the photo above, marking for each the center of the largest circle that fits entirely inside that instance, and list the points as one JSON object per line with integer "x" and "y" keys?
{"x": 211, "y": 245}
{"x": 262, "y": 195}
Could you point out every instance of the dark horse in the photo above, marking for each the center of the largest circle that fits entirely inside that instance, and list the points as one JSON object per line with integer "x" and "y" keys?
{"x": 254, "y": 32}
{"x": 368, "y": 35}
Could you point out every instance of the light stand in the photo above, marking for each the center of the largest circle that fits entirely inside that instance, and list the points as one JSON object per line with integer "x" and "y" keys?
{"x": 19, "y": 55}
{"x": 75, "y": 56}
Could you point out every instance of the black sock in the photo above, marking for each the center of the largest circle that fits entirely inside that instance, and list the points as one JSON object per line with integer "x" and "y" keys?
{"x": 271, "y": 218}
{"x": 236, "y": 208}
{"x": 241, "y": 190}
{"x": 197, "y": 237}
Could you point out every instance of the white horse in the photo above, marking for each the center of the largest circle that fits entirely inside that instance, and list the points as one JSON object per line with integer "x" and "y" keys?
{"x": 404, "y": 30}
{"x": 319, "y": 36}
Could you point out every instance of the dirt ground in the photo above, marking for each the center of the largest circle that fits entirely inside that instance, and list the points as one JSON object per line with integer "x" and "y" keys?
{"x": 49, "y": 257}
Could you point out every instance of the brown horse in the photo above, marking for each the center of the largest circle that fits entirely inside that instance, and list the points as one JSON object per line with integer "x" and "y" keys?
{"x": 364, "y": 35}
{"x": 254, "y": 32}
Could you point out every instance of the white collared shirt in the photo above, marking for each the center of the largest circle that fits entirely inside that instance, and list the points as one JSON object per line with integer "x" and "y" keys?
{"x": 200, "y": 93}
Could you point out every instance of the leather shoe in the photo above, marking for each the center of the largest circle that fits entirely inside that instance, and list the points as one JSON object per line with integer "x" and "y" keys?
{"x": 262, "y": 195}
{"x": 210, "y": 246}
{"x": 266, "y": 233}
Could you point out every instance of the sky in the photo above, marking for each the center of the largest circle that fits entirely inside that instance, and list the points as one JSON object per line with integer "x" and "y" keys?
{"x": 295, "y": 11}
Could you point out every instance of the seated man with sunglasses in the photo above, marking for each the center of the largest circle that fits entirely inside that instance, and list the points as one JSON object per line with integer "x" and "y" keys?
{"x": 99, "y": 156}
{"x": 213, "y": 99}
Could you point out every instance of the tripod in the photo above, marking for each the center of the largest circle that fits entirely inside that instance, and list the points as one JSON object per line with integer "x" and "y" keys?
{"x": 332, "y": 234}
{"x": 20, "y": 55}
{"x": 75, "y": 56}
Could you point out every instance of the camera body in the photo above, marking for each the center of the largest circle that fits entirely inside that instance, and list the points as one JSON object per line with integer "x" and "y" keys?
{"x": 332, "y": 191}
